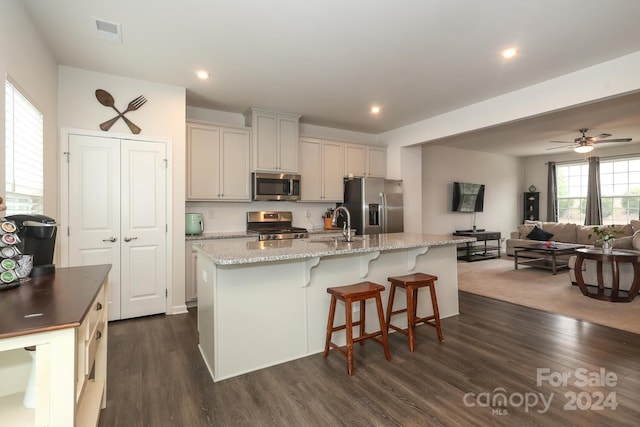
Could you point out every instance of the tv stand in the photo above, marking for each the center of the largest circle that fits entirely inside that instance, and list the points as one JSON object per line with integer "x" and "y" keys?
{"x": 478, "y": 250}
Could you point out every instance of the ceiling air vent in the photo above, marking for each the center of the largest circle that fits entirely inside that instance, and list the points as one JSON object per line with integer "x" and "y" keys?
{"x": 106, "y": 30}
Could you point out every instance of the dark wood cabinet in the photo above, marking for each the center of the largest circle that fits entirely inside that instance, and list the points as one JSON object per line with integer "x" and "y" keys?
{"x": 531, "y": 206}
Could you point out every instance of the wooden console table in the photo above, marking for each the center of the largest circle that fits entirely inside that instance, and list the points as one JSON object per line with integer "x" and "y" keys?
{"x": 615, "y": 258}
{"x": 478, "y": 252}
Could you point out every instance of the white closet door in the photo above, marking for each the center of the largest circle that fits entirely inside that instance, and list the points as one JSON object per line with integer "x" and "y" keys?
{"x": 117, "y": 216}
{"x": 143, "y": 226}
{"x": 94, "y": 208}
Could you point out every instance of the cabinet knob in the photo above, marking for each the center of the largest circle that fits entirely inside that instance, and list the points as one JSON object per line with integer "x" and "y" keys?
{"x": 98, "y": 307}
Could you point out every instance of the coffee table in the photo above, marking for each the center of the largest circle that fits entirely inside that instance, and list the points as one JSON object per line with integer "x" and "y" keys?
{"x": 546, "y": 257}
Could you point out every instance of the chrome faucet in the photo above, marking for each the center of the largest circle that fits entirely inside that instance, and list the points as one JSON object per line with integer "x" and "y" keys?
{"x": 346, "y": 228}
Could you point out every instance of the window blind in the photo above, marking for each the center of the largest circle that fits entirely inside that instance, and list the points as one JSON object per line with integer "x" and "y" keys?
{"x": 24, "y": 182}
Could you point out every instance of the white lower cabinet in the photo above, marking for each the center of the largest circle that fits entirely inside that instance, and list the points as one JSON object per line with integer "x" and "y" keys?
{"x": 322, "y": 170}
{"x": 191, "y": 260}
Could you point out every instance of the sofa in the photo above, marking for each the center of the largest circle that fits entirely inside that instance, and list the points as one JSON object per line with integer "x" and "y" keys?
{"x": 629, "y": 239}
{"x": 569, "y": 233}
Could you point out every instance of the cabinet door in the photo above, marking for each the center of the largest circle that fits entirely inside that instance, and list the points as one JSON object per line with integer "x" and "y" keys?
{"x": 289, "y": 138}
{"x": 377, "y": 162}
{"x": 332, "y": 171}
{"x": 203, "y": 158}
{"x": 265, "y": 149}
{"x": 311, "y": 169}
{"x": 235, "y": 164}
{"x": 355, "y": 157}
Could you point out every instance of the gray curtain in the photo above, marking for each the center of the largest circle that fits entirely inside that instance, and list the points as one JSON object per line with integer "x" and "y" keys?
{"x": 594, "y": 203}
{"x": 552, "y": 193}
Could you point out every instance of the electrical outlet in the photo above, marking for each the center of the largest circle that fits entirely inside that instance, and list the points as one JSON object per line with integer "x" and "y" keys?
{"x": 308, "y": 213}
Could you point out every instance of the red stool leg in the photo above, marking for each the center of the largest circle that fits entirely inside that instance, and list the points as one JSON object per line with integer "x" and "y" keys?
{"x": 392, "y": 293}
{"x": 436, "y": 313}
{"x": 349, "y": 331}
{"x": 383, "y": 327}
{"x": 411, "y": 317}
{"x": 332, "y": 313}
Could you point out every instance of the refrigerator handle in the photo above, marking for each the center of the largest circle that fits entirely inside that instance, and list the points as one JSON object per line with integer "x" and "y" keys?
{"x": 383, "y": 211}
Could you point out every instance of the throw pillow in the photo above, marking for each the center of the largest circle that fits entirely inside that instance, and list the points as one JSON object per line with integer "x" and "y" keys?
{"x": 539, "y": 234}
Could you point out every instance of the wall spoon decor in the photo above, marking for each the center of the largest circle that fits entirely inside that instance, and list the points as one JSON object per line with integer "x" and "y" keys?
{"x": 106, "y": 99}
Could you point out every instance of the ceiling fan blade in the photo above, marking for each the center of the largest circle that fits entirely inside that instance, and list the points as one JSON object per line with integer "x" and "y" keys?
{"x": 564, "y": 146}
{"x": 600, "y": 141}
{"x": 601, "y": 136}
{"x": 564, "y": 142}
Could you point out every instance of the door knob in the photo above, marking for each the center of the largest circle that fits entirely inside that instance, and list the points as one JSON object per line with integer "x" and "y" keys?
{"x": 128, "y": 239}
{"x": 110, "y": 239}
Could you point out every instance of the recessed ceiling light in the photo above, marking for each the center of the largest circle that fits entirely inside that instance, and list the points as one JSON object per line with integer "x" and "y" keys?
{"x": 509, "y": 53}
{"x": 375, "y": 109}
{"x": 203, "y": 75}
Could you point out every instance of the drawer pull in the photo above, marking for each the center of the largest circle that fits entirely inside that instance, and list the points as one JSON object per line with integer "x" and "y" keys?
{"x": 98, "y": 307}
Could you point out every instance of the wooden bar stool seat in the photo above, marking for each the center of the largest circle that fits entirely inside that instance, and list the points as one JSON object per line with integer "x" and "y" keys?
{"x": 349, "y": 295}
{"x": 411, "y": 283}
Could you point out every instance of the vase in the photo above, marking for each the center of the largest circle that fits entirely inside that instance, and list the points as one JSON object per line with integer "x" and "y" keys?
{"x": 606, "y": 246}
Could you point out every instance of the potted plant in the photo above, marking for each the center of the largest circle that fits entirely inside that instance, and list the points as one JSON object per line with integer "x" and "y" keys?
{"x": 605, "y": 234}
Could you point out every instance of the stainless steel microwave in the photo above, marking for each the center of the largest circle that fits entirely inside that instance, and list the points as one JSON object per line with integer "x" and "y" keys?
{"x": 275, "y": 186}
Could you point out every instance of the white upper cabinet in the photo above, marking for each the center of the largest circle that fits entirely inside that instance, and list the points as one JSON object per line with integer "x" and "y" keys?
{"x": 218, "y": 163}
{"x": 275, "y": 140}
{"x": 321, "y": 166}
{"x": 365, "y": 160}
{"x": 377, "y": 162}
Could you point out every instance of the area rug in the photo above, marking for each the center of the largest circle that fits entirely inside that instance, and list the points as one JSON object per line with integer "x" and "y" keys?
{"x": 540, "y": 289}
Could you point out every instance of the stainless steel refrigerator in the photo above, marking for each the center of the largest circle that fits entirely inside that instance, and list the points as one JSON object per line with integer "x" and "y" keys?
{"x": 375, "y": 205}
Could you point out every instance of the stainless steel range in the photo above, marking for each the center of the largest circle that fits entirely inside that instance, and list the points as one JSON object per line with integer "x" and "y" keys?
{"x": 274, "y": 225}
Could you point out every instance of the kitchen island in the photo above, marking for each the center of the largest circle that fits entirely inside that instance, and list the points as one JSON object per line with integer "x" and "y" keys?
{"x": 265, "y": 303}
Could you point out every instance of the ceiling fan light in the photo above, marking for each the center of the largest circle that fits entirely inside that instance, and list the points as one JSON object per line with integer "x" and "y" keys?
{"x": 583, "y": 148}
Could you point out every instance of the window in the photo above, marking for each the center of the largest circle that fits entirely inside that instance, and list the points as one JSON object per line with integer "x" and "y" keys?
{"x": 24, "y": 187}
{"x": 572, "y": 183}
{"x": 619, "y": 191}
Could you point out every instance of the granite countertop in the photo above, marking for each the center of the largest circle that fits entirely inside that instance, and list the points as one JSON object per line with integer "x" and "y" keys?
{"x": 241, "y": 234}
{"x": 244, "y": 252}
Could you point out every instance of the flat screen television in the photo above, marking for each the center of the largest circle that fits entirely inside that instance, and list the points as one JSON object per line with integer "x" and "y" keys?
{"x": 467, "y": 197}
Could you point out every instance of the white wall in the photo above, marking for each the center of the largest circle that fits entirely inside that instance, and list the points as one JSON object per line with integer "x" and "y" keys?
{"x": 25, "y": 58}
{"x": 162, "y": 116}
{"x": 501, "y": 175}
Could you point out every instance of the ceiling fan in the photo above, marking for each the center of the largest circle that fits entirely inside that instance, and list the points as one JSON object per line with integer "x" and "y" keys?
{"x": 584, "y": 143}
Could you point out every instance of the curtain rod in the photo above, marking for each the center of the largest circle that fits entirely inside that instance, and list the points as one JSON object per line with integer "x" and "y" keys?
{"x": 620, "y": 156}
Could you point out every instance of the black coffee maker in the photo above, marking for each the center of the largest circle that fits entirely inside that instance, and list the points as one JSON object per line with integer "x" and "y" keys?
{"x": 38, "y": 238}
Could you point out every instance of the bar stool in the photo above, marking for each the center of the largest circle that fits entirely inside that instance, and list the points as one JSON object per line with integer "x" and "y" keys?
{"x": 350, "y": 294}
{"x": 411, "y": 283}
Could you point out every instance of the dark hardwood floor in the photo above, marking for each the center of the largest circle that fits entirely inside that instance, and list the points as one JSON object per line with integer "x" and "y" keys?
{"x": 157, "y": 378}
